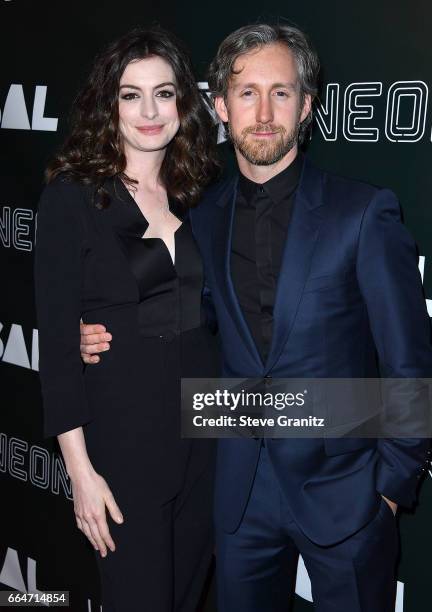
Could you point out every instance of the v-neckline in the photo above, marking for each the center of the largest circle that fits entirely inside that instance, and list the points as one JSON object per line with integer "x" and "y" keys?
{"x": 147, "y": 224}
{"x": 164, "y": 244}
{"x": 138, "y": 209}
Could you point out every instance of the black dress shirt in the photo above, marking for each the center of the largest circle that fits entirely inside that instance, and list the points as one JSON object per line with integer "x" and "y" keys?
{"x": 261, "y": 219}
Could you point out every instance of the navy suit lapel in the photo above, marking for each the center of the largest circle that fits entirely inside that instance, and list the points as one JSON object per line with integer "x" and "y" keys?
{"x": 222, "y": 238}
{"x": 302, "y": 234}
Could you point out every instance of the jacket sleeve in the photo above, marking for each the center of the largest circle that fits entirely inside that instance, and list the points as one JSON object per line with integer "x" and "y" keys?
{"x": 59, "y": 258}
{"x": 390, "y": 283}
{"x": 206, "y": 297}
{"x": 209, "y": 309}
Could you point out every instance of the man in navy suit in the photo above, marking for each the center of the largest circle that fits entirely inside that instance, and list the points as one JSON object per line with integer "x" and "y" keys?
{"x": 309, "y": 275}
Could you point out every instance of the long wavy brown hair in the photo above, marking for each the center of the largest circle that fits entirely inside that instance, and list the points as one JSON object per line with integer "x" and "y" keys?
{"x": 94, "y": 150}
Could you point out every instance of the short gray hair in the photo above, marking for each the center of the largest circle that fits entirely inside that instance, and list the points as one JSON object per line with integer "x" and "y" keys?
{"x": 251, "y": 37}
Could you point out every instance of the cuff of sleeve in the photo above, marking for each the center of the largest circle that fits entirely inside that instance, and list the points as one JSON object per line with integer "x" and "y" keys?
{"x": 398, "y": 490}
{"x": 64, "y": 411}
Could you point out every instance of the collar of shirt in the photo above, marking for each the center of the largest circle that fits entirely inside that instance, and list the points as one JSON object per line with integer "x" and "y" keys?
{"x": 279, "y": 187}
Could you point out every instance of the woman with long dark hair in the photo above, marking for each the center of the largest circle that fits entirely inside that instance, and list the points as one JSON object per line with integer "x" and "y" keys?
{"x": 114, "y": 245}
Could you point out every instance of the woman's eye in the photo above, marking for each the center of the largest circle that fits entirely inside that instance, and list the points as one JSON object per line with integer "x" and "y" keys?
{"x": 165, "y": 93}
{"x": 129, "y": 96}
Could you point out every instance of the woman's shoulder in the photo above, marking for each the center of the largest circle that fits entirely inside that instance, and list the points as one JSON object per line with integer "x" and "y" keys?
{"x": 65, "y": 192}
{"x": 66, "y": 183}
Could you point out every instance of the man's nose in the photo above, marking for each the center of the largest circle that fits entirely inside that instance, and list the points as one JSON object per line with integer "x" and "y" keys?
{"x": 264, "y": 112}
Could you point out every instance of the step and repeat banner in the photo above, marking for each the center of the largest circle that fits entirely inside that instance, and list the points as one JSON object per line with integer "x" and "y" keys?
{"x": 373, "y": 122}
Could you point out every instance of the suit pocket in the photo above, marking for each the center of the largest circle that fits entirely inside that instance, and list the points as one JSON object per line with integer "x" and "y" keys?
{"x": 340, "y": 446}
{"x": 328, "y": 281}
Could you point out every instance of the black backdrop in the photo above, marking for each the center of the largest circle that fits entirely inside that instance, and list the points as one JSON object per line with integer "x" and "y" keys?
{"x": 374, "y": 123}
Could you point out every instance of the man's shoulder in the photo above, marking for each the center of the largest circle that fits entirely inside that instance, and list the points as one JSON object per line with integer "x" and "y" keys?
{"x": 351, "y": 194}
{"x": 349, "y": 185}
{"x": 356, "y": 187}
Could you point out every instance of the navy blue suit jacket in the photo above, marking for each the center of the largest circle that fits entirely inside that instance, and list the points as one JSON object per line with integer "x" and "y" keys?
{"x": 349, "y": 290}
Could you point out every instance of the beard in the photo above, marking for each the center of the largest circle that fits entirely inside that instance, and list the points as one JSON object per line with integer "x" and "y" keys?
{"x": 260, "y": 152}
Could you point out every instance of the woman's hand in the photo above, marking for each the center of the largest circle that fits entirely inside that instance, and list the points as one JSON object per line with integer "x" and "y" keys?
{"x": 91, "y": 494}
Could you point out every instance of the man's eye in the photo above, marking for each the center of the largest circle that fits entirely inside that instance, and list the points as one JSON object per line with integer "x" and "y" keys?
{"x": 282, "y": 94}
{"x": 247, "y": 94}
{"x": 129, "y": 96}
{"x": 165, "y": 93}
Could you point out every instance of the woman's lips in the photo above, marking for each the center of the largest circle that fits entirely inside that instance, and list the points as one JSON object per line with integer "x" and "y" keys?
{"x": 150, "y": 129}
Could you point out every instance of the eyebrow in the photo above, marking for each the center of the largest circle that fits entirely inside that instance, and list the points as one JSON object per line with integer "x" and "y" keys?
{"x": 287, "y": 85}
{"x": 155, "y": 87}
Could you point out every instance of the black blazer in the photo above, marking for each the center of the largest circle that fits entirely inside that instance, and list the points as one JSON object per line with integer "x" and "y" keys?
{"x": 94, "y": 264}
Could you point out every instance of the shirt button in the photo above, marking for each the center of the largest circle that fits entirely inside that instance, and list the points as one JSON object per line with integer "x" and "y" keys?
{"x": 261, "y": 189}
{"x": 168, "y": 336}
